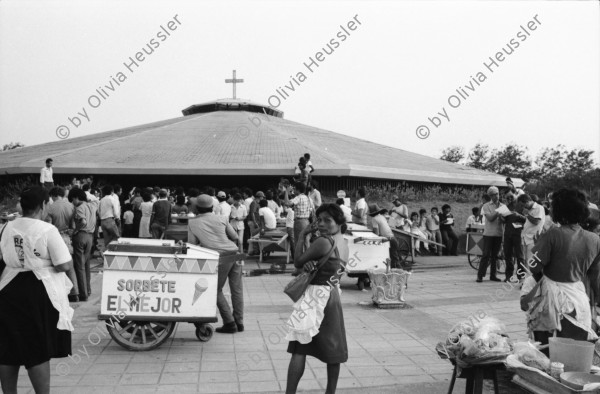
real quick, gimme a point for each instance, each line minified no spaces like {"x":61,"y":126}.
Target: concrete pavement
{"x":389,"y":350}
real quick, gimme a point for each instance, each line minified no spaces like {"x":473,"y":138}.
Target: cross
{"x":234,"y":81}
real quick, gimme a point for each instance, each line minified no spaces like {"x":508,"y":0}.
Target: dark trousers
{"x":450,"y":241}
{"x":157,"y":230}
{"x":128,"y":231}
{"x":137,"y":218}
{"x":491,"y":248}
{"x":233,"y":272}
{"x":48,"y":185}
{"x":82,"y":248}
{"x":291,"y":240}
{"x":513,"y":253}
{"x":395,"y":257}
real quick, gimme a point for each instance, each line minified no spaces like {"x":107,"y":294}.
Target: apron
{"x":57,"y":284}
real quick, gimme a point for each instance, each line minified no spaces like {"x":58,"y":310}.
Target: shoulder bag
{"x":299,"y":284}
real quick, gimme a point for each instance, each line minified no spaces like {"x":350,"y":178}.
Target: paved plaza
{"x":390,"y":351}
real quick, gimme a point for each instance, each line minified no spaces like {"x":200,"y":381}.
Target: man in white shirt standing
{"x":110,"y":212}
{"x":314,"y":194}
{"x":347,"y":211}
{"x":46,"y":175}
{"x":236,"y":218}
{"x":359,"y":214}
{"x":223,"y":208}
{"x":535,"y":215}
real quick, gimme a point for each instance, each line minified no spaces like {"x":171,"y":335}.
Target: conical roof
{"x":235,"y":137}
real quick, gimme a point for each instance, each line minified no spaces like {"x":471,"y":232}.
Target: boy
{"x":475,"y":218}
{"x":433,"y":226}
{"x":128,"y":221}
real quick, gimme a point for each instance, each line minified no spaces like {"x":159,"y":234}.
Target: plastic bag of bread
{"x":528,"y":354}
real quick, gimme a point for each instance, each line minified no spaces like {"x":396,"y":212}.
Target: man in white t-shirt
{"x":347,"y":211}
{"x":223,"y":208}
{"x":536,"y":216}
{"x":359,"y":214}
{"x":268,"y":222}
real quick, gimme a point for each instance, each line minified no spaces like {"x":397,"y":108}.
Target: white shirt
{"x":315,"y":197}
{"x":381,"y":224}
{"x":362,"y":204}
{"x":46,"y":175}
{"x":247,"y":203}
{"x":239,"y":212}
{"x":289,"y":219}
{"x":223,"y":209}
{"x":347,"y":213}
{"x":90,"y":196}
{"x":268,"y":216}
{"x":275,"y":208}
{"x":107,"y":208}
{"x":117,"y":205}
{"x":530,"y":230}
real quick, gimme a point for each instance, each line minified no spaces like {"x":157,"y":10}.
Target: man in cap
{"x":492,"y":235}
{"x":214,"y":232}
{"x":223,"y":209}
{"x":535,"y":216}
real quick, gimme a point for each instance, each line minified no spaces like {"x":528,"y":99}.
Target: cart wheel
{"x":140,"y":335}
{"x":204,"y":332}
{"x":474,"y":260}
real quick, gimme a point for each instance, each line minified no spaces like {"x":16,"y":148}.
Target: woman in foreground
{"x":35,"y":316}
{"x":316,"y":327}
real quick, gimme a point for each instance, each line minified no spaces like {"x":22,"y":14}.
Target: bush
{"x":10,"y":192}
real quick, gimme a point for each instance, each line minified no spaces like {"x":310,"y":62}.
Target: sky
{"x":402,"y":65}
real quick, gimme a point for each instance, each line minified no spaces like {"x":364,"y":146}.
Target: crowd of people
{"x":554,"y":246}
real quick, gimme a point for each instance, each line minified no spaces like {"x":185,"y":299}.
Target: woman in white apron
{"x":564,"y":258}
{"x":35,"y":316}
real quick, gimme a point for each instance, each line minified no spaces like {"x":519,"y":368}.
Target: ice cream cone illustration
{"x":201,"y":286}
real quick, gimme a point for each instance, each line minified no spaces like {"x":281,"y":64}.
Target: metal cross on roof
{"x":234,"y":81}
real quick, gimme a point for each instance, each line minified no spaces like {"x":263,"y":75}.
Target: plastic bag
{"x":529,"y":355}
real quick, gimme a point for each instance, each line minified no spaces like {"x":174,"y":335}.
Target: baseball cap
{"x":259,"y":194}
{"x":221,"y":194}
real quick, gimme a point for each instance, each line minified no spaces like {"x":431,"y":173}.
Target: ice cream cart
{"x":149,"y":285}
{"x":366,"y":250}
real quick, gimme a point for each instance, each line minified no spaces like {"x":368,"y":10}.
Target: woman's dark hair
{"x":422,"y":211}
{"x":193,"y":192}
{"x":179,"y":191}
{"x":263,"y":203}
{"x":128,"y":207}
{"x":32,"y":199}
{"x":414,"y":214}
{"x":336,"y":213}
{"x":248,"y":192}
{"x":569,"y":206}
{"x":475,"y":211}
{"x":269,"y":194}
{"x":180,"y":199}
{"x":339,"y":201}
{"x":237,"y":197}
{"x":147,"y":197}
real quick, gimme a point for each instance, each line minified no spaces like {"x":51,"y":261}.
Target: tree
{"x":453,"y":154}
{"x":12,"y":145}
{"x":550,"y":162}
{"x":479,"y":156}
{"x":511,"y":160}
{"x":579,"y":161}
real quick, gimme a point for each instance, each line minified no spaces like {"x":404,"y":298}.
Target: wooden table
{"x":272,"y":244}
{"x":475,"y":375}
